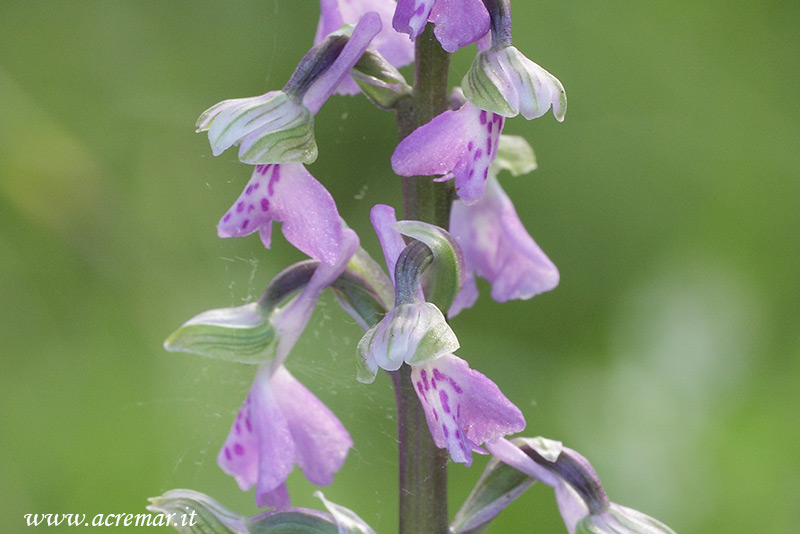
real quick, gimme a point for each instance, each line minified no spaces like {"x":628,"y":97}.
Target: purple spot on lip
{"x":262,"y":169}
{"x":255,"y":185}
{"x":264,"y":204}
{"x":228,"y":454}
{"x":238,"y":449}
{"x":488,"y":145}
{"x":420,"y":10}
{"x":441,"y":376}
{"x":424,"y":375}
{"x":240,"y":207}
{"x":470,"y":146}
{"x":445,"y":431}
{"x":245,"y":223}
{"x":248,"y":190}
{"x":237,"y":428}
{"x":478,"y":155}
{"x":483,"y":117}
{"x":443,"y":399}
{"x":489,"y":127}
{"x":248,"y":424}
{"x":276,"y":176}
{"x":227,"y":217}
{"x":250,"y":208}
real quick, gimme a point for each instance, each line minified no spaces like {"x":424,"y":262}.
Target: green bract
{"x":379,"y":80}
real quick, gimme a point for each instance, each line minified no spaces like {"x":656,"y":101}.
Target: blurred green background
{"x":668,"y":199}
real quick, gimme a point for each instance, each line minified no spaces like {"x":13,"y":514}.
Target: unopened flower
{"x":287,"y":193}
{"x":459,"y":144}
{"x":278,"y":127}
{"x":464,"y":409}
{"x":282,"y":424}
{"x":392,"y":46}
{"x":458,"y":22}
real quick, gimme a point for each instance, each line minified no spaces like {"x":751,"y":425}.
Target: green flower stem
{"x":422,"y":465}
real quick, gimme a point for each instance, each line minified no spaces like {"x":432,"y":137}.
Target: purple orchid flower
{"x":280,"y":424}
{"x":395,"y":48}
{"x":458,"y":22}
{"x":287,"y":193}
{"x":581,"y":498}
{"x":464,"y":409}
{"x":498,"y":248}
{"x":459,"y":144}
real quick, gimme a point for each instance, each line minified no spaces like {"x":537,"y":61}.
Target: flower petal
{"x":325,"y":85}
{"x":259,"y":448}
{"x":320,"y":440}
{"x":411,"y":16}
{"x":292,"y":320}
{"x":394,"y":47}
{"x":464,"y":409}
{"x":498,"y":248}
{"x":459,"y":22}
{"x":504,"y":81}
{"x":383,"y":219}
{"x":287,"y":193}
{"x":463,"y":142}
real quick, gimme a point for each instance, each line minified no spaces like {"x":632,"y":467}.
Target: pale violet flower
{"x":278,"y":127}
{"x":581,"y":498}
{"x":282,"y":424}
{"x":498,"y":248}
{"x":287,"y":193}
{"x":464,"y":409}
{"x":413,"y":331}
{"x":458,"y":22}
{"x":459,"y":144}
{"x":392,"y":46}
{"x":502,"y":80}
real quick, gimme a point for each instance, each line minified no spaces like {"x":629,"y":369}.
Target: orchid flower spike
{"x":458,"y":22}
{"x":495,"y":243}
{"x":460,"y":144}
{"x":278,"y":127}
{"x":502,"y":80}
{"x":282,"y":424}
{"x":392,"y":46}
{"x":582,"y":500}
